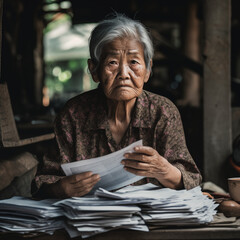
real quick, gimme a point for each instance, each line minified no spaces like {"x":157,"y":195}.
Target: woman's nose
{"x":123,"y":71}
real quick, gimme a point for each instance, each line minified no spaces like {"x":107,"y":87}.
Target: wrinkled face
{"x":122,"y":71}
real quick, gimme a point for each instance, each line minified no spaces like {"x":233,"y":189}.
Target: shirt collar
{"x":98,"y":114}
{"x":141,"y":117}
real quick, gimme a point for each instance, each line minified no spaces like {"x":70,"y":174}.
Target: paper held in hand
{"x":109,"y":167}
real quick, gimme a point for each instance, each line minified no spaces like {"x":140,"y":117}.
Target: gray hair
{"x":118,"y":27}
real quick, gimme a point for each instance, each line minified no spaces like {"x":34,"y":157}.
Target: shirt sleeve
{"x":171,"y":145}
{"x":61,"y":151}
{"x":65,"y":135}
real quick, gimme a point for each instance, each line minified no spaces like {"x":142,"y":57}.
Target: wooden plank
{"x":8,"y":130}
{"x":217,"y":90}
{"x":216,"y":233}
{"x":172,"y":234}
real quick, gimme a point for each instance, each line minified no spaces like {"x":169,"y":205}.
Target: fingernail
{"x":123,"y":162}
{"x":137,"y":148}
{"x":126,"y":155}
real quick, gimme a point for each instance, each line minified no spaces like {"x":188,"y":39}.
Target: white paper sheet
{"x":109,"y":167}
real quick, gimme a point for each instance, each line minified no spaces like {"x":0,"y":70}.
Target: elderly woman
{"x":116,"y":114}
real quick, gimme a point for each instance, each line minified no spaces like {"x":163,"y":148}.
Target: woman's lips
{"x":123,"y":86}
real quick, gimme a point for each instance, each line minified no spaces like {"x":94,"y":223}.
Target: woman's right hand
{"x":76,"y":185}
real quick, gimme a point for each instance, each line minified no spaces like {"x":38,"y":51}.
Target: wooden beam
{"x":217,"y":90}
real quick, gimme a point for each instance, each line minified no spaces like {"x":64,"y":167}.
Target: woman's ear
{"x":148,"y":73}
{"x":92,"y":69}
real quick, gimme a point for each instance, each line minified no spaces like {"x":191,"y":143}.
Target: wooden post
{"x":191,"y":87}
{"x":1,"y":32}
{"x":217,"y":90}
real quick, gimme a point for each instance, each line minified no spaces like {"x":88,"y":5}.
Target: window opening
{"x":65,"y":56}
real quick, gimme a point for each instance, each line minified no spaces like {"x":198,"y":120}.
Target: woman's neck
{"x":120,"y":111}
{"x":119,"y":117}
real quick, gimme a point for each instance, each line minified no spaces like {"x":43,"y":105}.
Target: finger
{"x":70,"y":189}
{"x":85,"y":182}
{"x":145,"y":150}
{"x":83,"y":190}
{"x":137,"y":172}
{"x":79,"y":177}
{"x":137,"y":157}
{"x":135,"y":164}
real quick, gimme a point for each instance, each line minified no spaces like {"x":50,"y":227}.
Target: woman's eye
{"x":112,"y":63}
{"x":134,"y":62}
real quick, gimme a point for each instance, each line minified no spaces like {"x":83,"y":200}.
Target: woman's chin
{"x":124,"y":95}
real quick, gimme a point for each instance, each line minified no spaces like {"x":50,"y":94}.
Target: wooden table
{"x":209,"y":233}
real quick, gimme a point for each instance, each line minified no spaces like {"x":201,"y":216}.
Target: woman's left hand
{"x":146,"y":161}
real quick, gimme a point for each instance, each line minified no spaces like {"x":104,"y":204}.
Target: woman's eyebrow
{"x":133,"y":51}
{"x":114,"y":53}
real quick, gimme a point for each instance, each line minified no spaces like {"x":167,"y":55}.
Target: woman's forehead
{"x":128,"y":45}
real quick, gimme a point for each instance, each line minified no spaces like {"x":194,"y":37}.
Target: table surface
{"x":195,"y":233}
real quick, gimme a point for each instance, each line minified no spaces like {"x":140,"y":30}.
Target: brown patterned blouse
{"x":82,"y":132}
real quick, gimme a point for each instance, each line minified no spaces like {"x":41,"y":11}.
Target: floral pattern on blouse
{"x":83,"y":132}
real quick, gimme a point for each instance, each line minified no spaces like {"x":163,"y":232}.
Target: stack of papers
{"x":165,"y":207}
{"x":22,"y":215}
{"x":90,"y":216}
{"x":133,"y":207}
